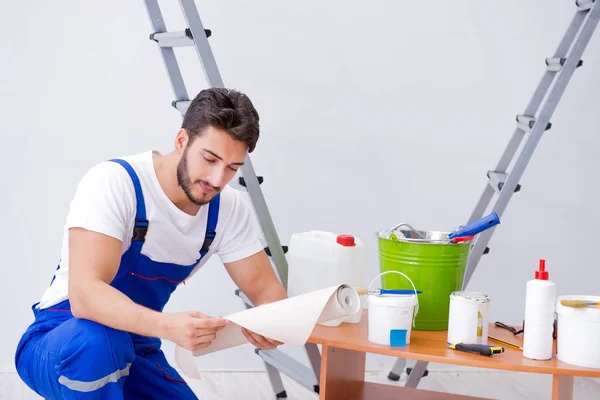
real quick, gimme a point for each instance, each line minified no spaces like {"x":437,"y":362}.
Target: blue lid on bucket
{"x":379,"y":291}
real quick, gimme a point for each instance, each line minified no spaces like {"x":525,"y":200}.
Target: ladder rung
{"x":584,"y":5}
{"x":526,"y":122}
{"x":556,"y":64}
{"x":173,"y":39}
{"x":268,"y":251}
{"x":176,"y":39}
{"x":181,"y":105}
{"x":240,"y":184}
{"x":497,"y":180}
{"x":243,"y":182}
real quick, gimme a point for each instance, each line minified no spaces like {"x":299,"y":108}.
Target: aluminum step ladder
{"x":195,"y":35}
{"x":530,"y":127}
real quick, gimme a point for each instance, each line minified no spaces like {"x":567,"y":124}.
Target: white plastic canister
{"x":468,"y":318}
{"x":319,"y":259}
{"x":578,"y":333}
{"x":392,"y":316}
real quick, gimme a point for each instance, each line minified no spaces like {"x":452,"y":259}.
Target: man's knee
{"x":95,"y":355}
{"x":80,"y":356}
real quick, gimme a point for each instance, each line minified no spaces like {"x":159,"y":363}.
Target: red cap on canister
{"x":346,"y":240}
{"x":541,"y":273}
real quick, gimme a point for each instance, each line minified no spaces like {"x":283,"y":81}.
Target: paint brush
{"x":579,"y":303}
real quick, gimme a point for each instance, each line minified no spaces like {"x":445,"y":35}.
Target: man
{"x":137,"y":228}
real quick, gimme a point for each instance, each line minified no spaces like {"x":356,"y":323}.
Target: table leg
{"x":562,"y":387}
{"x":342,"y":374}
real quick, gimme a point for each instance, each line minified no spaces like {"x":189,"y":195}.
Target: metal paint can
{"x":434,"y":263}
{"x":468,"y":318}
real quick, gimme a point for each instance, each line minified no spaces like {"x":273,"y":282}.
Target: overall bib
{"x":63,"y":357}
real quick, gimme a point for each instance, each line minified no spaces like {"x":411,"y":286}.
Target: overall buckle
{"x":140,"y":229}
{"x":210,"y":236}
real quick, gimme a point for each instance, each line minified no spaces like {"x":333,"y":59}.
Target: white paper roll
{"x":290,"y":321}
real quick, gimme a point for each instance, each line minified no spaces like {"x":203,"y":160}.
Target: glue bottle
{"x":539,"y":315}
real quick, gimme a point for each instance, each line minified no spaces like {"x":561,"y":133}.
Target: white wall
{"x":391,"y":111}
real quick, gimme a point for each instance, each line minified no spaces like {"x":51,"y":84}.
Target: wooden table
{"x":344,"y":351}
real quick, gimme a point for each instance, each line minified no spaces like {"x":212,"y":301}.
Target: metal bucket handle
{"x":412,"y":284}
{"x":409,"y":226}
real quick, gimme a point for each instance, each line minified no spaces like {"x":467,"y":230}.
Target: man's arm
{"x":255,"y":277}
{"x":94,"y":260}
{"x":99,"y":215}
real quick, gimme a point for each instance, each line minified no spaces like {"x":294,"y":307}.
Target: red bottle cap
{"x":541,"y":273}
{"x":346,"y":240}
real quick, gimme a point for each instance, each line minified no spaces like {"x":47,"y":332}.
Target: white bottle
{"x":539,"y":316}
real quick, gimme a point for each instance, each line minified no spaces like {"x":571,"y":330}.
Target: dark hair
{"x":225,"y":109}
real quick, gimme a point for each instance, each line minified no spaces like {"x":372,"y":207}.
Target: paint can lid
{"x":477,"y":297}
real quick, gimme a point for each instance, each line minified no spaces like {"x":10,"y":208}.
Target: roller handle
{"x":394,"y":291}
{"x":362,"y":291}
{"x":476,"y":227}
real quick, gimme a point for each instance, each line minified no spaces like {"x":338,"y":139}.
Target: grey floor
{"x":495,"y":385}
{"x":255,"y":386}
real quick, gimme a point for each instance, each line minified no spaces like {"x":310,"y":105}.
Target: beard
{"x":185,"y":182}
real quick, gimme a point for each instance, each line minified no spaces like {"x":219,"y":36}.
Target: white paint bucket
{"x":468,"y":318}
{"x":392,"y":316}
{"x":578,"y":333}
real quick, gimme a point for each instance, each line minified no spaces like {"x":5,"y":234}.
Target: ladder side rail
{"x":214,"y":79}
{"x":546,"y":81}
{"x":587,"y":18}
{"x":531,"y":109}
{"x":564,"y":77}
{"x":266,"y":221}
{"x":203,"y":49}
{"x":168,"y":54}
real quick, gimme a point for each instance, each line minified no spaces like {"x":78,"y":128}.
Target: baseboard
{"x":7,"y":369}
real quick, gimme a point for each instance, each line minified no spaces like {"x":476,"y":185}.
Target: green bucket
{"x":434,"y":264}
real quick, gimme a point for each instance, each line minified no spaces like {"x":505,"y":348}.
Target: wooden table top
{"x":431,"y":346}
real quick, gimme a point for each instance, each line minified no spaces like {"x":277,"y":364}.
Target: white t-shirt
{"x":105,"y":202}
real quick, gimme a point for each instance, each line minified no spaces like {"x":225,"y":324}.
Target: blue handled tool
{"x":392,"y":291}
{"x":478,"y":226}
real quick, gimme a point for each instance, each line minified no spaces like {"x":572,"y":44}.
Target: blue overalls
{"x":63,"y":357}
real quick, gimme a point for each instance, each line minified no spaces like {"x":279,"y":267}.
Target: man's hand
{"x":193,"y":330}
{"x":260,"y":341}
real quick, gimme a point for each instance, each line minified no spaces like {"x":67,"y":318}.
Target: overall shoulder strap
{"x":141,"y":223}
{"x":211,"y":225}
